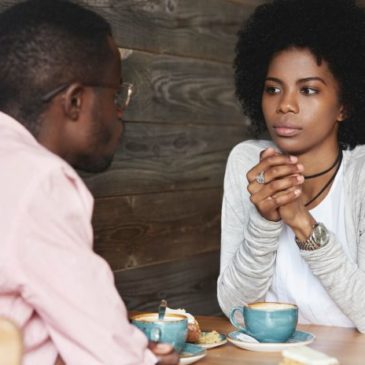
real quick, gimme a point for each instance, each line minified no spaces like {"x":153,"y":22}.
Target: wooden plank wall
{"x":157,"y":217}
{"x":157,"y":210}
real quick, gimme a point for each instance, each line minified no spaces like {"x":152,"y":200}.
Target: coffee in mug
{"x":173,"y":329}
{"x":267,"y":321}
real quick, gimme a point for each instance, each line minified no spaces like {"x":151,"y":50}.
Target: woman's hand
{"x":298,"y":218}
{"x":283,"y":179}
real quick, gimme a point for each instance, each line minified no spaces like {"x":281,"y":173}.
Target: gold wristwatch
{"x":317,"y":239}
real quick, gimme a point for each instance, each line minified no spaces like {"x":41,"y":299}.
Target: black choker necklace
{"x":338,"y":160}
{"x":329,"y":169}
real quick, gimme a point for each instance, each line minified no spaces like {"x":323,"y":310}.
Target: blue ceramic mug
{"x":267,"y":322}
{"x":173,"y":329}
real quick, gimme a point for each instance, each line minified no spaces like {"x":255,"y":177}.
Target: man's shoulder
{"x":27,"y":165}
{"x":19,"y":148}
{"x":37,"y":161}
{"x":52,"y":172}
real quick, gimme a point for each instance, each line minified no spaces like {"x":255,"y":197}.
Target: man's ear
{"x":73,"y":100}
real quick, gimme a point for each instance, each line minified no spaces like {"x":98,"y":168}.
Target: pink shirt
{"x":52,"y":284}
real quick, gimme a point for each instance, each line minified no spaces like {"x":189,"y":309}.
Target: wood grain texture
{"x":6,"y":3}
{"x":155,"y":158}
{"x":188,"y":284}
{"x":180,"y":90}
{"x":253,"y":3}
{"x":139,"y":230}
{"x":194,"y":28}
{"x":157,"y":210}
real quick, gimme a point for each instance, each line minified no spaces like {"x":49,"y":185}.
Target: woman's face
{"x":300,"y":103}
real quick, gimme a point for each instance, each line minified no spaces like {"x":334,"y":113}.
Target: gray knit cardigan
{"x":249,"y":242}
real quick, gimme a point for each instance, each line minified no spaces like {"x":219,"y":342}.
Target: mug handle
{"x":155,"y":334}
{"x":235,"y":323}
{"x":233,"y":319}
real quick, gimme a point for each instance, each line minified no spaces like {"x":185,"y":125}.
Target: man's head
{"x":57,"y":45}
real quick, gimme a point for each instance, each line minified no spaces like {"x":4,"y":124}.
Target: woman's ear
{"x":73,"y":100}
{"x":342,"y":115}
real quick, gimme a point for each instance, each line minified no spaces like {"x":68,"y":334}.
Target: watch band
{"x":317,"y":239}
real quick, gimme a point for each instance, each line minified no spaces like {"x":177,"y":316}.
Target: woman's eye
{"x":272,"y":90}
{"x":309,"y":91}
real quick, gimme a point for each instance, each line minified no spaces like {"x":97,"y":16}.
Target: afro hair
{"x":333,"y":30}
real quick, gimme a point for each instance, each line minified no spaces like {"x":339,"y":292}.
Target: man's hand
{"x":59,"y":361}
{"x":165,"y":353}
{"x":283,"y":180}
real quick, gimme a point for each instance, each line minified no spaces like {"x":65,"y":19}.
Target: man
{"x":61,"y":102}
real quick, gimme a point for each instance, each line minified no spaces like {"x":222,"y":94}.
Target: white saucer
{"x":300,"y":338}
{"x":191,"y":353}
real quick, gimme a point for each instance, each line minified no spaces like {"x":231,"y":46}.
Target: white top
{"x":294,"y":282}
{"x":250,"y":242}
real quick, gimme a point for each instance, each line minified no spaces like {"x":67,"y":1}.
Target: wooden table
{"x":347,"y":345}
{"x":10,"y":343}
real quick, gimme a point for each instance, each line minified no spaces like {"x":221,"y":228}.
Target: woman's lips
{"x":286,"y":131}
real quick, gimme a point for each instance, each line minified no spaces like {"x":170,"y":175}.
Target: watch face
{"x":320,"y":234}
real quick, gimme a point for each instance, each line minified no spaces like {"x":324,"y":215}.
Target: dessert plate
{"x":221,"y":341}
{"x":300,"y":338}
{"x":191,"y":353}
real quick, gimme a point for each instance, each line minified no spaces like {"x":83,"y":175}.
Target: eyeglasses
{"x":121,"y":99}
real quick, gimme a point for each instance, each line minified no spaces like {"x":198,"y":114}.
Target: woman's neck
{"x":318,"y":160}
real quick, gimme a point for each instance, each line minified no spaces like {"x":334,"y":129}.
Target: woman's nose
{"x":288,"y":103}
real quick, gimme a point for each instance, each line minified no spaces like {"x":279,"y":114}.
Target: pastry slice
{"x":193,"y":325}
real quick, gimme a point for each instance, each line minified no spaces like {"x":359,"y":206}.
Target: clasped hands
{"x":279,"y":196}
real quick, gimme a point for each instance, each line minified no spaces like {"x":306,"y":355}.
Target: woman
{"x":293,"y":212}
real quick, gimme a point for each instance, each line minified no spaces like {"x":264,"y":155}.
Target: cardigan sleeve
{"x":343,"y":279}
{"x":342,"y":276}
{"x":248,"y":241}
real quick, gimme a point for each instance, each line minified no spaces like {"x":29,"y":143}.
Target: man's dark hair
{"x":44,"y":43}
{"x":333,"y":30}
